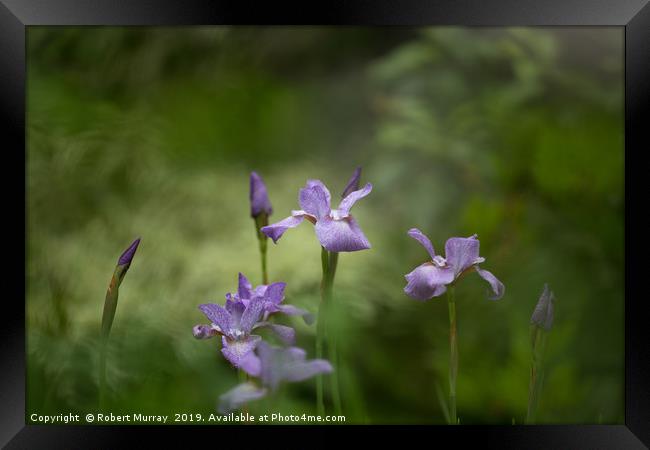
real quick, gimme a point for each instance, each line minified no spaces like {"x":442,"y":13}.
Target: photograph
{"x":315,"y":225}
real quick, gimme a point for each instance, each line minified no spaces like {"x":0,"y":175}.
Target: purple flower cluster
{"x":251,"y":308}
{"x":243,"y":313}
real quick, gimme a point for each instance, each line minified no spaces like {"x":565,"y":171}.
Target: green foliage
{"x":514,"y":134}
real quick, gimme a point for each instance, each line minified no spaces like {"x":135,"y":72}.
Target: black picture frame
{"x":632,"y":15}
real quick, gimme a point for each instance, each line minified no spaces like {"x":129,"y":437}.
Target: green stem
{"x":261,"y":221}
{"x":329,"y":262}
{"x":536,"y":374}
{"x":102,"y":374}
{"x":265,"y":274}
{"x":108,"y":315}
{"x":453,"y":354}
{"x":333,"y":335}
{"x":320,"y":332}
{"x":243,"y":378}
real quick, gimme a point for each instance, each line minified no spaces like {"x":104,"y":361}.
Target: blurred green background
{"x":514,"y":134}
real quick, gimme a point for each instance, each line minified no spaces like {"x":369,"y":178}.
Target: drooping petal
{"x":299,"y":371}
{"x":270,"y":365}
{"x":239,"y":396}
{"x":315,"y":200}
{"x":440,"y":289}
{"x":252,"y":314}
{"x":276,"y":230}
{"x":428,"y":281}
{"x":341,"y":235}
{"x":296,"y":354}
{"x":274,"y":292}
{"x":245,"y":287}
{"x":218,"y":315}
{"x":286,"y":334}
{"x":347,"y":203}
{"x":353,"y":183}
{"x":235,"y":350}
{"x":497,"y":287}
{"x":423,"y":240}
{"x":291,"y":310}
{"x":203,"y":332}
{"x":251,"y":364}
{"x":462,"y":253}
{"x":259,"y":196}
{"x":543,"y":314}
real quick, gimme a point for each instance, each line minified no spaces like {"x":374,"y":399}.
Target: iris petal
{"x":276,"y":230}
{"x":218,"y":315}
{"x":235,"y":350}
{"x":239,"y":396}
{"x":274,"y":292}
{"x":428,"y":281}
{"x":291,"y":310}
{"x":462,"y":253}
{"x":347,"y":203}
{"x":299,"y":371}
{"x":423,"y":240}
{"x":497,"y":287}
{"x":245,"y":287}
{"x":251,"y":314}
{"x":315,"y":200}
{"x":341,"y":235}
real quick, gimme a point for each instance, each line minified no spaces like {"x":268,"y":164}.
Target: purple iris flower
{"x":234,"y":323}
{"x":273,"y":295}
{"x":543,"y":314}
{"x":272,"y":366}
{"x":245,"y":311}
{"x":462,"y":255}
{"x":259,"y":197}
{"x":336,"y":229}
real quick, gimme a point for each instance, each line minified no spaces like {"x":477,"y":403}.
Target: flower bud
{"x":259,"y":197}
{"x":543,"y":313}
